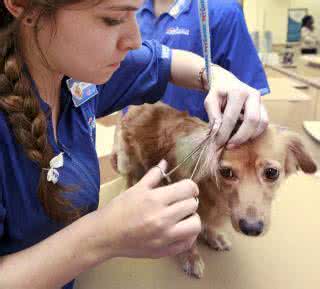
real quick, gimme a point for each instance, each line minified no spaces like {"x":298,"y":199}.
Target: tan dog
{"x":247,"y":176}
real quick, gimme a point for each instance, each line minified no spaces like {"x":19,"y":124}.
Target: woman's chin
{"x":98,"y":79}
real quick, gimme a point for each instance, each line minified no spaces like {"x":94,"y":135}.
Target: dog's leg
{"x":192,"y":262}
{"x":215,"y":238}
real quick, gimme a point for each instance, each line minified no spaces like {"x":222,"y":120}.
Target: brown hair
{"x":22,"y":109}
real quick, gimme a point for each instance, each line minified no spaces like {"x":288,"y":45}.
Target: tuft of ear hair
{"x":298,"y":156}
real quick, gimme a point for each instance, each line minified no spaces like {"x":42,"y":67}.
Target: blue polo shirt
{"x":142,"y":77}
{"x":231,"y":48}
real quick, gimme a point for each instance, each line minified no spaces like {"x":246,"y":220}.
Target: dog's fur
{"x":149,"y":133}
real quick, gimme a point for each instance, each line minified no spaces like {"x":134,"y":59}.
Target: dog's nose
{"x":251,"y":229}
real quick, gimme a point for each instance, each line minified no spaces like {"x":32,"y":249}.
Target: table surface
{"x":286,"y":257}
{"x":284,"y":88}
{"x":303,"y":70}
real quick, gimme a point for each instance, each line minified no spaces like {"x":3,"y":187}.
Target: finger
{"x":180,"y":210}
{"x":185,"y":229}
{"x":213,"y":107}
{"x":179,"y":191}
{"x":250,"y":122}
{"x":236,"y":100}
{"x":264,"y":122}
{"x":154,"y":176}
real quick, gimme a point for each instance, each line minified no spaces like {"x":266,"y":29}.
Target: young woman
{"x":62,"y":64}
{"x":309,"y":39}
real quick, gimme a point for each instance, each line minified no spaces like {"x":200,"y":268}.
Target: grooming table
{"x":287,"y":257}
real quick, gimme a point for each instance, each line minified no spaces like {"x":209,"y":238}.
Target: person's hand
{"x":150,"y":222}
{"x":227,"y":99}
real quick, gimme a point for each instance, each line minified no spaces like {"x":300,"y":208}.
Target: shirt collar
{"x":179,"y":7}
{"x":176,"y":9}
{"x":147,"y":6}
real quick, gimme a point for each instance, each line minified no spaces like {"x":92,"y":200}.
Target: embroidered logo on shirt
{"x":177,"y":31}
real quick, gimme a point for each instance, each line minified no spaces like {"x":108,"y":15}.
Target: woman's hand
{"x":150,"y":222}
{"x":227,"y":99}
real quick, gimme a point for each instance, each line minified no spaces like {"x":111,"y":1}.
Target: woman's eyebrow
{"x":121,"y":8}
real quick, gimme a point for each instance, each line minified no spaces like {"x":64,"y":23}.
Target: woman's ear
{"x":18,"y":8}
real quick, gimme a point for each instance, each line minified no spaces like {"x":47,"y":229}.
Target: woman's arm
{"x":308,"y":37}
{"x":185,"y":69}
{"x":146,"y":221}
{"x":227,"y":94}
{"x":55,"y":261}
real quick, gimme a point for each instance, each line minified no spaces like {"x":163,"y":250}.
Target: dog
{"x":237,"y":184}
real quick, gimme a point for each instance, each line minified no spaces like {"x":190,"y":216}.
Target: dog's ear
{"x":298,"y":156}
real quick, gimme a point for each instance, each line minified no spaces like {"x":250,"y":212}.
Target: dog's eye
{"x":271,"y":174}
{"x":226,"y":173}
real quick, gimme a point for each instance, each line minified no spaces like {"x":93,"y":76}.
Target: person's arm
{"x":142,"y":78}
{"x":226,"y":88}
{"x":57,"y":260}
{"x":159,"y":222}
{"x":307,"y":37}
{"x":185,"y":69}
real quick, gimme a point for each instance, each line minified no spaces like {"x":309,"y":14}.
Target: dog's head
{"x":250,"y":175}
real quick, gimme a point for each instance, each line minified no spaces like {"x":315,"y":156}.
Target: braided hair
{"x":27,"y":121}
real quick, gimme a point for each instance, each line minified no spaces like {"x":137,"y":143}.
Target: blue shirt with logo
{"x":142,"y":77}
{"x":231,"y":45}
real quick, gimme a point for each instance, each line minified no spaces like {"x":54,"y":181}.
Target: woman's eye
{"x":271,"y":174}
{"x":227,"y":173}
{"x":113,"y":22}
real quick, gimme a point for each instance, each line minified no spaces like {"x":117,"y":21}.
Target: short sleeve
{"x":142,"y":78}
{"x":234,"y":49}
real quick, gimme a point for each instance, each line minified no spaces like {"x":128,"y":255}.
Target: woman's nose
{"x":131,"y":39}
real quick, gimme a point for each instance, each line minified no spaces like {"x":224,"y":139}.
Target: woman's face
{"x":88,"y":42}
{"x":311,"y":23}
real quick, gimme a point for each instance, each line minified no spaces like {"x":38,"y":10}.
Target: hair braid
{"x":29,"y":125}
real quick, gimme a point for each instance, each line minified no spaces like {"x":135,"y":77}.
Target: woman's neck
{"x":161,"y":6}
{"x":47,"y":80}
{"x":49,"y":86}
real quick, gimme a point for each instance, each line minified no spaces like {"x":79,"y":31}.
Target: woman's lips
{"x":115,"y":65}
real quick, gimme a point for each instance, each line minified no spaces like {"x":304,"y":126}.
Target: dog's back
{"x":147,"y":134}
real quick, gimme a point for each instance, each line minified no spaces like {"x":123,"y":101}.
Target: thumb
{"x":154,"y":176}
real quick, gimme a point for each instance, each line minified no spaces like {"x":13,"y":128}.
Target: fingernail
{"x":163,"y":164}
{"x":197,"y":190}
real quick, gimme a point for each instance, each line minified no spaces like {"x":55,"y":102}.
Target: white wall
{"x":273,"y":15}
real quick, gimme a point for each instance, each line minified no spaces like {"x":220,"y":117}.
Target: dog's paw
{"x":217,"y":241}
{"x":194,"y":266}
